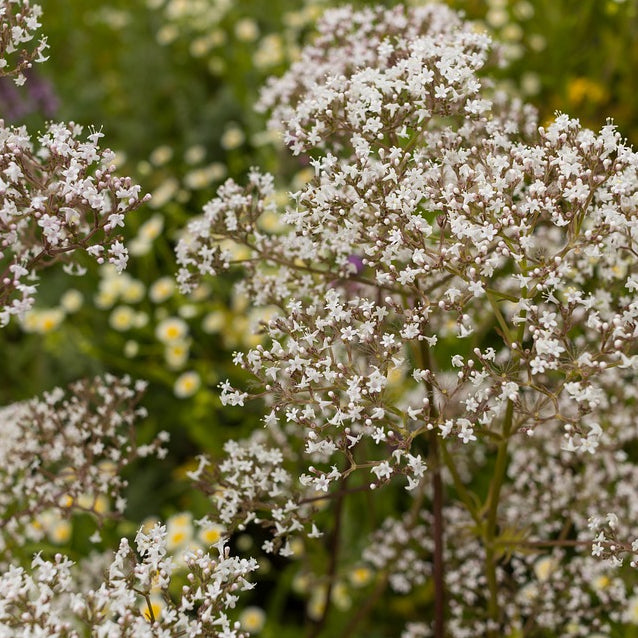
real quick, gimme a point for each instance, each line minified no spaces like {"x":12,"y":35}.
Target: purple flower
{"x":357,"y":262}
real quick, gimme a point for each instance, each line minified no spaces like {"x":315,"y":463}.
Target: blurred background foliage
{"x":173,"y":83}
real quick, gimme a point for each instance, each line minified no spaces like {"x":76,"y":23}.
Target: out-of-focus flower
{"x":210,"y":533}
{"x":195,"y":154}
{"x":186,"y":385}
{"x":252,"y":619}
{"x":161,"y":155}
{"x":164,"y":193}
{"x":161,"y":289}
{"x":43,"y":321}
{"x":233,"y":137}
{"x":360,"y":576}
{"x":179,"y":530}
{"x":122,"y":318}
{"x":246,"y":30}
{"x":176,"y":354}
{"x":171,"y":329}
{"x":71,"y":301}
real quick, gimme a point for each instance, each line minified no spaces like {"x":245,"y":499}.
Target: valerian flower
{"x":45,"y":599}
{"x":19,"y":23}
{"x":496,"y":281}
{"x":58,"y":196}
{"x":66,"y":451}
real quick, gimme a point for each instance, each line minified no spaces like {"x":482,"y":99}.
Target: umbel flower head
{"x":474,"y":229}
{"x":456,"y":285}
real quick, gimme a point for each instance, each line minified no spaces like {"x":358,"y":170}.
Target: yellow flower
{"x":155,"y":611}
{"x":171,"y":329}
{"x":601,"y":582}
{"x":252,"y":619}
{"x":131,"y":348}
{"x":340,"y":596}
{"x":65,"y":501}
{"x":60,"y":532}
{"x":317,"y":603}
{"x":141,"y":319}
{"x":176,"y":354}
{"x":204,"y":176}
{"x":105,"y":299}
{"x":233,"y":137}
{"x":179,"y":530}
{"x":186,"y":385}
{"x":43,"y":321}
{"x":161,"y":289}
{"x":161,"y":155}
{"x":300,"y":583}
{"x":152,"y":228}
{"x":270,"y":51}
{"x":98,"y":504}
{"x":270,"y":222}
{"x":247,"y":30}
{"x":188,"y":311}
{"x":529,"y":593}
{"x":544,"y":567}
{"x":107,"y":468}
{"x":360,"y":576}
{"x":167,"y":34}
{"x":122,"y":318}
{"x":396,"y":375}
{"x":297,"y":547}
{"x":195,"y":154}
{"x":133,"y":291}
{"x":71,"y":300}
{"x":149,"y":523}
{"x":211,"y":533}
{"x":496,"y":18}
{"x":580,"y":90}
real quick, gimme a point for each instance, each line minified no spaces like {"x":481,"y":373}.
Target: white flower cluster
{"x":66,"y":452}
{"x":252,"y":486}
{"x":57,"y":196}
{"x":19,"y":22}
{"x":372,"y":66}
{"x":402,"y":550}
{"x":439,"y":224}
{"x":452,"y":278}
{"x":44,"y":602}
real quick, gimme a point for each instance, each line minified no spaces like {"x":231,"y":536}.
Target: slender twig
{"x":335,"y":540}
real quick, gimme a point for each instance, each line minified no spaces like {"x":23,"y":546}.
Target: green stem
{"x":462,"y":492}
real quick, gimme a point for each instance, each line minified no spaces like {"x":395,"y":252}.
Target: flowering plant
{"x":486,"y":263}
{"x":447,"y":372}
